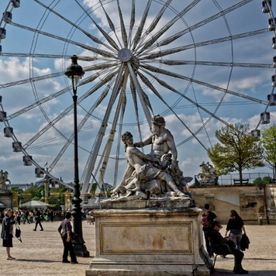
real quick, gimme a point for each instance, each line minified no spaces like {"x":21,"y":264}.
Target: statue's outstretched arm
{"x":146,"y":142}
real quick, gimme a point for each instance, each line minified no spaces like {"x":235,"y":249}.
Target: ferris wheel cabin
{"x":7,"y":17}
{"x":266,"y":4}
{"x":256,"y":133}
{"x":3,"y":33}
{"x":17,"y":146}
{"x":272,"y":24}
{"x":271,"y":99}
{"x":15,"y":3}
{"x":8,"y":131}
{"x":27,"y":160}
{"x":265,"y":117}
{"x":39,"y":172}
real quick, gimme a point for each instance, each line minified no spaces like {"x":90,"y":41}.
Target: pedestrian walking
{"x":38,"y":218}
{"x":66,"y":233}
{"x":7,"y":232}
{"x":235,"y":228}
{"x":17,"y":217}
{"x":51,"y":215}
{"x":207,"y":218}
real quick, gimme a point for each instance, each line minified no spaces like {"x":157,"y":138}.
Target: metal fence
{"x":231,"y":179}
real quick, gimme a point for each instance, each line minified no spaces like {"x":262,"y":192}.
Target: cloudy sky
{"x":209,"y":61}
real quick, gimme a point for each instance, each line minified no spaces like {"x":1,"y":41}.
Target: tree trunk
{"x":274,"y":171}
{"x":240,"y":174}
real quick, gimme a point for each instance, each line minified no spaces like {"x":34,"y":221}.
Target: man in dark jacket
{"x":66,"y":233}
{"x":38,"y":220}
{"x":222,"y":246}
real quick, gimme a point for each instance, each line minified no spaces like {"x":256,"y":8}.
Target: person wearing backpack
{"x":66,"y":233}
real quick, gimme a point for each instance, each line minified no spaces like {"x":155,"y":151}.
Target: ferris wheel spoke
{"x":114,"y":123}
{"x":166,"y":85}
{"x":202,"y":119}
{"x":117,"y":159}
{"x":164,"y":29}
{"x":202,"y":83}
{"x":154,"y":23}
{"x":211,"y":63}
{"x":101,"y":66}
{"x":36,"y":55}
{"x":32,"y":79}
{"x":141,"y":25}
{"x":98,"y":75}
{"x":154,"y":90}
{"x":134,"y":98}
{"x":122,"y":25}
{"x":131,"y":23}
{"x":51,"y":97}
{"x":166,"y":52}
{"x":90,"y":164}
{"x":84,"y":46}
{"x":105,"y":34}
{"x":66,"y":111}
{"x":143,"y":100}
{"x":195,"y":26}
{"x":37,"y":103}
{"x":110,"y":23}
{"x":110,"y":140}
{"x":80,"y":126}
{"x":94,"y":38}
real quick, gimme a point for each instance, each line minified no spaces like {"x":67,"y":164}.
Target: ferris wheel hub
{"x":125,"y":55}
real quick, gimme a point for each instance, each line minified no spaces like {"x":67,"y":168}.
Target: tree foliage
{"x":269,"y":145}
{"x":236,"y":150}
{"x":262,"y":181}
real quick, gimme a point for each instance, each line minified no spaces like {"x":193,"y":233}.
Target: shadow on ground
{"x":222,"y":272}
{"x":37,"y":261}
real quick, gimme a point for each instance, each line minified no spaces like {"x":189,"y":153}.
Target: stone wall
{"x":247,"y":200}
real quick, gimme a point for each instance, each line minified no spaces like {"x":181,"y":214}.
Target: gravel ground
{"x":41,"y":252}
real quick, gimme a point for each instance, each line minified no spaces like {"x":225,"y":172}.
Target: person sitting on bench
{"x":224,"y":246}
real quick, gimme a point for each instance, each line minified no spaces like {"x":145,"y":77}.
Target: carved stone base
{"x":147,"y":242}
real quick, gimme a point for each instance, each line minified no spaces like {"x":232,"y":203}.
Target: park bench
{"x":244,"y":181}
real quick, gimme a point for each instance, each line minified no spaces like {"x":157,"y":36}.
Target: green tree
{"x":36,"y":192}
{"x":236,"y":150}
{"x":269,"y":145}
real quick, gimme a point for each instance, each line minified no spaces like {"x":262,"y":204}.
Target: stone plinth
{"x":147,"y":242}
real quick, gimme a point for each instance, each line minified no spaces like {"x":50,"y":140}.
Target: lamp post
{"x":75,"y":73}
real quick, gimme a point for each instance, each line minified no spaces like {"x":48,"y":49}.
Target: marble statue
{"x":207,"y":175}
{"x":144,"y":174}
{"x":154,"y":174}
{"x":163,"y":147}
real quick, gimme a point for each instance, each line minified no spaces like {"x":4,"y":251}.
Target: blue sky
{"x":202,"y":78}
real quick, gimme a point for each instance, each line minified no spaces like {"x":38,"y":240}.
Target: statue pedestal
{"x":148,"y":242}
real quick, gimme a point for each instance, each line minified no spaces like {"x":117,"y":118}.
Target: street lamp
{"x":75,"y":73}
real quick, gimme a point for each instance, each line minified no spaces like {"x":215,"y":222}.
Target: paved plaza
{"x":41,"y":251}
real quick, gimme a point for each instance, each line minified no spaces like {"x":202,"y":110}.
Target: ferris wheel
{"x":201,"y":64}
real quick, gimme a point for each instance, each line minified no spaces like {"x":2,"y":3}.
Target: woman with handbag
{"x":7,"y":232}
{"x":66,"y":233}
{"x":235,"y":227}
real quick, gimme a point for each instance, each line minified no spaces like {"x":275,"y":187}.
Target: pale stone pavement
{"x":41,"y":251}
